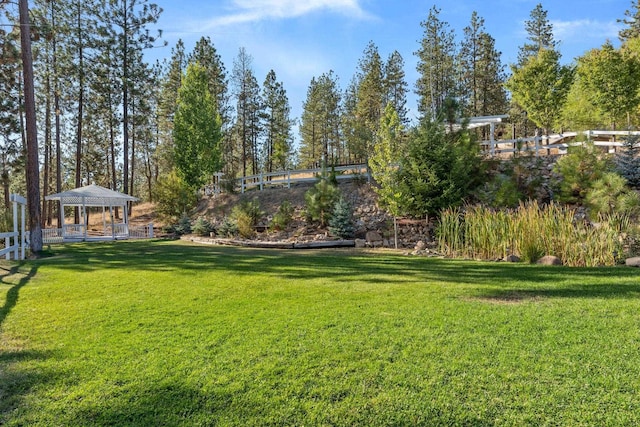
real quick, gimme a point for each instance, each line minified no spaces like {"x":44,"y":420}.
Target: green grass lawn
{"x":167,"y":333}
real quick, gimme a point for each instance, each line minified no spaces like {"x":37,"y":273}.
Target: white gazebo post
{"x":84,"y":216}
{"x":62,"y":218}
{"x":113,"y":223}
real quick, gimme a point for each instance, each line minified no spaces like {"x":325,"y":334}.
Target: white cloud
{"x":244,"y":11}
{"x":579,"y":30}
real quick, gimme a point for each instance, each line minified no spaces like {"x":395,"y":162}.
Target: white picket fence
{"x":17,"y":249}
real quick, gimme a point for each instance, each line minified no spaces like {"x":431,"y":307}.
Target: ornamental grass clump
{"x":530,"y":232}
{"x":450,"y":232}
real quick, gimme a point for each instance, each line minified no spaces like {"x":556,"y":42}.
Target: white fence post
{"x":16,"y":238}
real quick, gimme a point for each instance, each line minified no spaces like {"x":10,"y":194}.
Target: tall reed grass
{"x":529,"y":232}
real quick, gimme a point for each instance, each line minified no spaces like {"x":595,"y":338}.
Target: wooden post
{"x":395,"y":231}
{"x":492,"y":141}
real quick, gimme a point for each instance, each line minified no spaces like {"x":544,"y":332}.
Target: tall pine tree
{"x":436,"y":65}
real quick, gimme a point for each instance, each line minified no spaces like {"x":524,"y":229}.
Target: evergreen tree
{"x":395,"y":86}
{"x":631,"y":21}
{"x":628,"y":161}
{"x":371,"y":98}
{"x":249,"y":106}
{"x":321,"y":199}
{"x":436,"y":65}
{"x":10,"y":147}
{"x":341,"y":222}
{"x":481,"y":71}
{"x":278,"y":139}
{"x":127,"y":22}
{"x":205,"y":54}
{"x":439,"y":170}
{"x":197,"y":129}
{"x":349,"y":132}
{"x":578,"y":171}
{"x":539,"y":35}
{"x":106,"y":105}
{"x":31,"y":143}
{"x":320,"y":125}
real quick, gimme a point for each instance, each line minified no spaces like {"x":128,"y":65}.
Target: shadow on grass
{"x":493,"y":279}
{"x":178,"y":404}
{"x":14,"y":292}
{"x":155,"y":405}
{"x":18,"y":383}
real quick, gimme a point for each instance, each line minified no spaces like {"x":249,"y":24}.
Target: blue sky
{"x":300,"y":39}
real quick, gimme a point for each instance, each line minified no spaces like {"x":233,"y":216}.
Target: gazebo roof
{"x":92,"y":195}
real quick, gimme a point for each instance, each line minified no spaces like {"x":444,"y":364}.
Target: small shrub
{"x":283,"y":217}
{"x":173,"y":196}
{"x":202,"y":227}
{"x":321,"y":199}
{"x":246,"y":215}
{"x":628,"y":161}
{"x":228,"y":227}
{"x":577,"y":171}
{"x":501,"y":191}
{"x":341,"y":222}
{"x":610,"y":195}
{"x":184,"y":225}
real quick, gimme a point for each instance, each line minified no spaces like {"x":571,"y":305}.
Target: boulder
{"x":632,"y":262}
{"x":373,"y":237}
{"x":360,"y":243}
{"x":549,"y":260}
{"x":420,"y":246}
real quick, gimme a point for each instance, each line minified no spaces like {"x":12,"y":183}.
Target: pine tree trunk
{"x":56,"y":106}
{"x":76,"y":216}
{"x":47,"y":149}
{"x":32,"y":169}
{"x":125,"y":101}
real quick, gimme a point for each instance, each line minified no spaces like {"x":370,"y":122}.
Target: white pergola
{"x":94,"y":196}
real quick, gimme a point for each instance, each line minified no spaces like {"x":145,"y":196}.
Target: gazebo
{"x":88,"y":197}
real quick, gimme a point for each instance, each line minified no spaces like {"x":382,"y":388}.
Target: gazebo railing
{"x":52,"y":235}
{"x":141,"y":232}
{"x":75,"y":232}
{"x":117,"y":231}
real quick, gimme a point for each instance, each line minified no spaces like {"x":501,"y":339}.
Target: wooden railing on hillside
{"x":289,"y":177}
{"x":556,"y":144}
